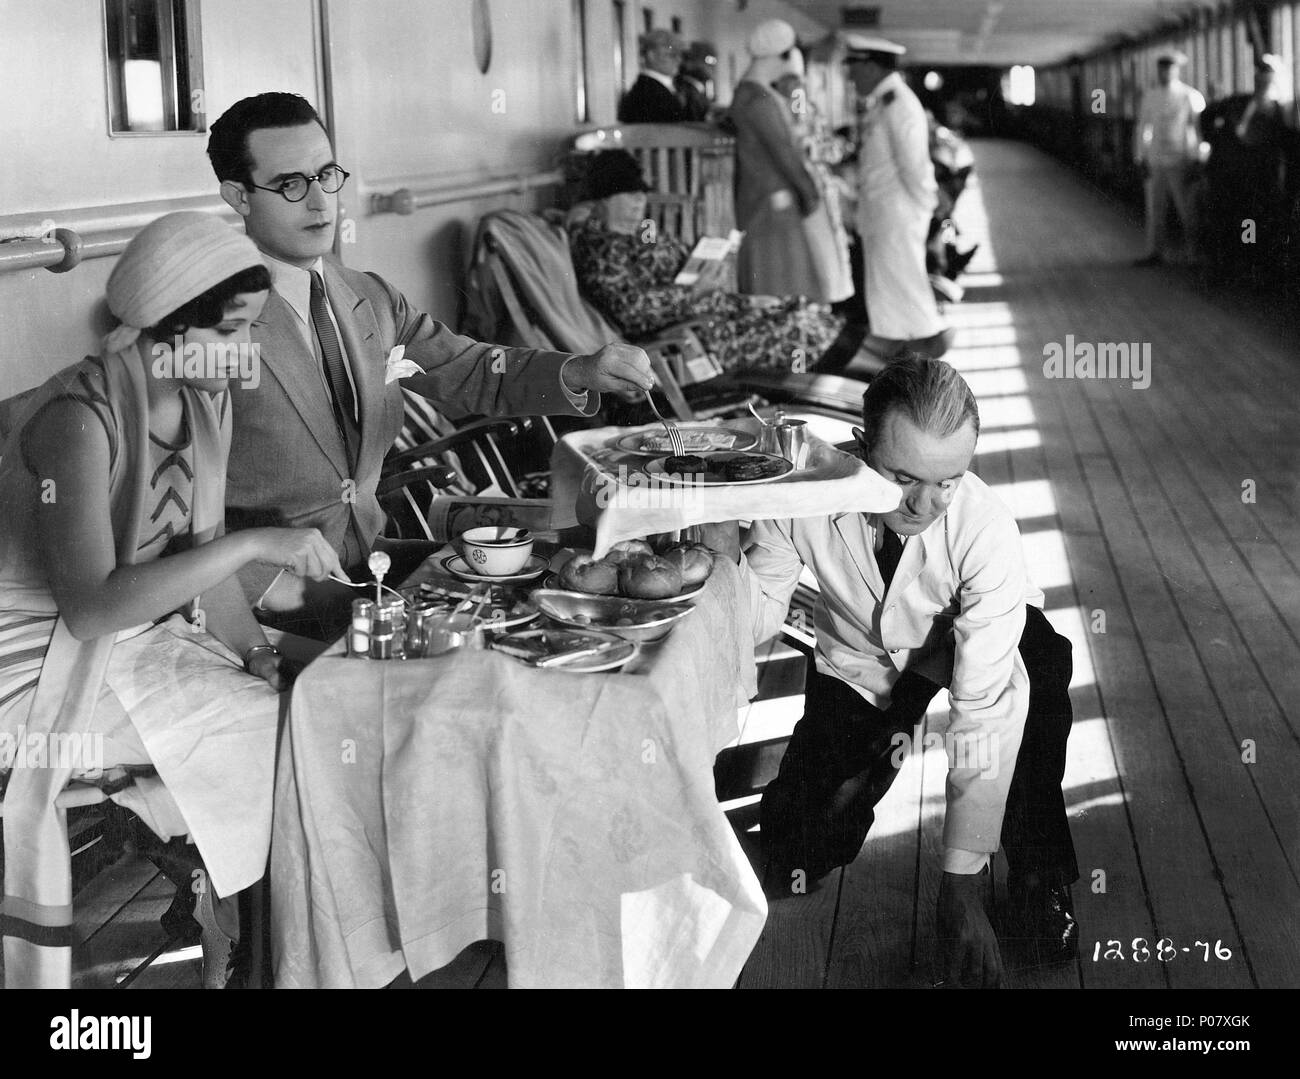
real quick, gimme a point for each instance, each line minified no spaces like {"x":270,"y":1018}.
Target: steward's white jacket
{"x":955,"y":611}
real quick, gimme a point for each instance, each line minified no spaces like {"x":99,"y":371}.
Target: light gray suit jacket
{"x":288,"y":463}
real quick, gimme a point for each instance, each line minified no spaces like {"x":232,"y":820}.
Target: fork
{"x":674,"y":435}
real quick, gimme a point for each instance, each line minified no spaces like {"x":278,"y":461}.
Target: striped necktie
{"x":891,"y":550}
{"x":345,"y":408}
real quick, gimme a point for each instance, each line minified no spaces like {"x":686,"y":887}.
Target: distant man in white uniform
{"x":897,"y":196}
{"x":1166,"y":147}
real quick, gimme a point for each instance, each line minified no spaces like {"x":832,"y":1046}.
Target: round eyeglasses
{"x":294,"y":187}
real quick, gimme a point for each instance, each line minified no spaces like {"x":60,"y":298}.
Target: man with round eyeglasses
{"x":309,"y":443}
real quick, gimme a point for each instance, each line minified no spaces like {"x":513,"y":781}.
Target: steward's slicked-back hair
{"x":228,"y":145}
{"x":928,"y":392}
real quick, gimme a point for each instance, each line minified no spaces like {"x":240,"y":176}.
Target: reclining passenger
{"x":113,"y":483}
{"x":628,"y":272}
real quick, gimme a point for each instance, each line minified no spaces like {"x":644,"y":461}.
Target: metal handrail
{"x":406,"y":201}
{"x":91,"y":234}
{"x":63,"y":239}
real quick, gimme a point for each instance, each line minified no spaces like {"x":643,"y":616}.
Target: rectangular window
{"x":581,"y":112}
{"x":154,"y":66}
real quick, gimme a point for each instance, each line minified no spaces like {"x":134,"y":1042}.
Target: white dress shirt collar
{"x":293,"y":283}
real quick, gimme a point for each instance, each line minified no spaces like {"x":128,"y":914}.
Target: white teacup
{"x":496,"y":550}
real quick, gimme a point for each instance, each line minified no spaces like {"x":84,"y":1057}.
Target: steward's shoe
{"x":1040,"y":911}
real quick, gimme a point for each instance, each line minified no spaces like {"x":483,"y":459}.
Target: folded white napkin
{"x":591,"y":483}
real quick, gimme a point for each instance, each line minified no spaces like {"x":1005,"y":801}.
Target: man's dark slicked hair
{"x":928,"y":392}
{"x":228,"y":145}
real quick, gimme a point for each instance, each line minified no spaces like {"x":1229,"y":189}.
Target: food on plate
{"x":650,"y":578}
{"x":629,"y":551}
{"x":685,"y":465}
{"x":693,"y":560}
{"x":749,"y":466}
{"x":582,"y":573}
{"x":540,"y":644}
{"x":500,"y":602}
{"x":693,"y":441}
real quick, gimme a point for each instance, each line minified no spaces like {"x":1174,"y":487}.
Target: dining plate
{"x":653,"y":443}
{"x":552,"y":582}
{"x":619,"y":656}
{"x":642,"y":620}
{"x":534,"y":648}
{"x":458,"y":567}
{"x":507,"y":606}
{"x":713,"y":476}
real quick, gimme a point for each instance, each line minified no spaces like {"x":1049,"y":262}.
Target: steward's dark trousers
{"x":840,"y":762}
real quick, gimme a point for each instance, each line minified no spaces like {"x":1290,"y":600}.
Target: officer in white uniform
{"x":1166,"y":147}
{"x":897,"y":196}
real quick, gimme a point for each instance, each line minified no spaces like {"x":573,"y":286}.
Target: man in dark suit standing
{"x":694,"y":80}
{"x":309,"y":442}
{"x":654,"y":98}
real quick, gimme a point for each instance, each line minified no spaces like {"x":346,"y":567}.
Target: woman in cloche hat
{"x":775,"y":191}
{"x":113,"y":487}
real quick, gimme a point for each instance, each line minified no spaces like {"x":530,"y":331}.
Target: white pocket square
{"x":397,"y":366}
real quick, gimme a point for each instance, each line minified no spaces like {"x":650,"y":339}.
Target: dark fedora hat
{"x":614,"y":172}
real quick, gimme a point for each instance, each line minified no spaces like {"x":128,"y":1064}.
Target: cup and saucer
{"x":498,"y":553}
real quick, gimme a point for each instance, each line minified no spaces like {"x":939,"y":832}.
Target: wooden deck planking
{"x":1236,"y":819}
{"x":874,"y":940}
{"x":1188,"y":714}
{"x":1103,"y":831}
{"x":108,"y":894}
{"x":1252,"y":664}
{"x":1222,"y":531}
{"x":1058,"y":313}
{"x":119,"y":945}
{"x":1277,"y":579}
{"x":794,"y":948}
{"x":1236,"y":397}
{"x":1136,"y":573}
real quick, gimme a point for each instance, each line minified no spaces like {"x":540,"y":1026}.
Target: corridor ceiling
{"x":1002,"y":32}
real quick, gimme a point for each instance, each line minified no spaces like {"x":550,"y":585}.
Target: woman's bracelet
{"x":269,"y":649}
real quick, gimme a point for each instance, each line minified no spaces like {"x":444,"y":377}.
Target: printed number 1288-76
{"x":1165,"y":950}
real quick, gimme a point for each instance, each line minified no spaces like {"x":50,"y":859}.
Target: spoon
{"x":379,"y":564}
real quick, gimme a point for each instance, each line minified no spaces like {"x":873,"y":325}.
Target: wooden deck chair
{"x":522,"y":291}
{"x":470,"y":461}
{"x":37,"y":947}
{"x":690,"y":168}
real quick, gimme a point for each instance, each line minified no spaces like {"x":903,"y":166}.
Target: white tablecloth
{"x":424,"y":805}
